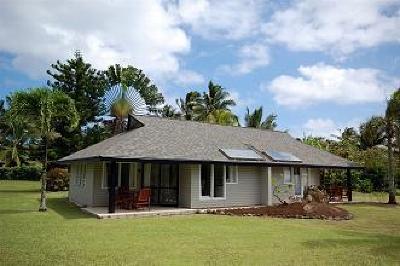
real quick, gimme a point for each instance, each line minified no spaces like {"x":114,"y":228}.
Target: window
{"x":213,"y":181}
{"x":80,"y":174}
{"x":205,"y":180}
{"x":124,"y":174}
{"x":219,"y":181}
{"x":286,"y":175}
{"x":106,"y":173}
{"x":83,"y":174}
{"x":77,"y":174}
{"x":232,"y":174}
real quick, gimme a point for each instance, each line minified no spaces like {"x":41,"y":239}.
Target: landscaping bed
{"x":298,"y":210}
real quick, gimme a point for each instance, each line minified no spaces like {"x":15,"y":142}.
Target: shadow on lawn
{"x":10,"y":211}
{"x":380,"y":245}
{"x":66,"y":209}
{"x":19,"y":191}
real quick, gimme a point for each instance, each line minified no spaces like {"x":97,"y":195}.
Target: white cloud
{"x":189,"y":77}
{"x":339,"y":27}
{"x":143,"y":33}
{"x":327,"y":128}
{"x":325,"y":83}
{"x":223,"y":18}
{"x":250,"y":57}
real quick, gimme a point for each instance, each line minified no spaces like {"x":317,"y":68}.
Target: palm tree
{"x":212,"y":103}
{"x":169,"y":111}
{"x":392,"y":116}
{"x":44,"y":107}
{"x":131,"y":77}
{"x":15,"y":137}
{"x":254,"y":119}
{"x":121,"y":101}
{"x":187,"y":105}
{"x":372,"y":132}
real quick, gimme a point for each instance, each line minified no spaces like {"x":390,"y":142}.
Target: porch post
{"x":112,"y":186}
{"x":349,"y":186}
{"x":269,"y":186}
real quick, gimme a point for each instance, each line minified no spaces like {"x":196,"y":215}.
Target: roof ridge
{"x":216,"y":125}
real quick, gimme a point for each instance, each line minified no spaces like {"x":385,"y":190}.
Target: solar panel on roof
{"x":281,"y":156}
{"x":241,"y":154}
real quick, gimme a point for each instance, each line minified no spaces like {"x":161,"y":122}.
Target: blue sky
{"x":320,"y":65}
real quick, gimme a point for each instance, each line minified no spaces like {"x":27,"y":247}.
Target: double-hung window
{"x":287,"y":175}
{"x":232,"y":174}
{"x":212,"y":180}
{"x":80,"y":175}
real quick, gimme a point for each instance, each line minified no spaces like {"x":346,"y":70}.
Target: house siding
{"x":81,"y":195}
{"x":185,"y":181}
{"x":100,"y":195}
{"x":251,"y":188}
{"x":245,"y":193}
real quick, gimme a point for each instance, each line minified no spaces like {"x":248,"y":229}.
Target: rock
{"x":309,"y":198}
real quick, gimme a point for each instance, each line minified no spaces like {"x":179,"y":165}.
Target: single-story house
{"x":196,"y":165}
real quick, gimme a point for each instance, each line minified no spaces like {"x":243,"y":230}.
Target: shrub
{"x":20,"y":173}
{"x":365,"y":185}
{"x":57,"y":179}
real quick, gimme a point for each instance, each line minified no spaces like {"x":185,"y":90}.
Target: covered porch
{"x":127,"y":180}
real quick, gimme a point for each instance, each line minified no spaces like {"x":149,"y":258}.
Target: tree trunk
{"x":43,"y":206}
{"x":391,"y":187}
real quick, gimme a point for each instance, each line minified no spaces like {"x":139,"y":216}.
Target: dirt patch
{"x":294,"y":210}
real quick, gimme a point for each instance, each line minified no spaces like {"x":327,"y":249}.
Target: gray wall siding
{"x":100,"y":195}
{"x":246,"y":192}
{"x":185,"y":181}
{"x":81,"y":194}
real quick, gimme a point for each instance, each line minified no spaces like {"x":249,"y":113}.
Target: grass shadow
{"x":20,"y":191}
{"x":380,"y":244}
{"x":66,"y":209}
{"x":11,"y":211}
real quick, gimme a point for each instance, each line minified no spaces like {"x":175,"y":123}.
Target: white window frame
{"x":104,"y":181}
{"x":286,"y":182}
{"x":83,"y":172}
{"x":211,"y":197}
{"x":132,"y":174}
{"x":233,"y":172}
{"x":77,"y":178}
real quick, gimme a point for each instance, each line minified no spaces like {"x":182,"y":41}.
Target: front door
{"x":164,"y":184}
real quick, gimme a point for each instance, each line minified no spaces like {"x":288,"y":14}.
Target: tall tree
{"x":44,"y":107}
{"x":392,"y":116}
{"x":187,"y":105}
{"x":214,"y":101}
{"x":122,"y":101}
{"x":372,"y":132}
{"x":83,"y":83}
{"x":169,"y":111}
{"x":254,"y":119}
{"x":133,"y":77}
{"x":15,"y":136}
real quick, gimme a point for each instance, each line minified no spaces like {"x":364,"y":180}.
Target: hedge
{"x":20,"y":173}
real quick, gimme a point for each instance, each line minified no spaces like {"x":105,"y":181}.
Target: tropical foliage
{"x":43,"y":108}
{"x":254,"y":119}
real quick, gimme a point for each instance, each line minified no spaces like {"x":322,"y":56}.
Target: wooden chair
{"x":122,"y":198}
{"x":142,"y":199}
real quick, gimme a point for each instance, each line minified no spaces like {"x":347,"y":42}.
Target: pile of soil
{"x":299,"y":210}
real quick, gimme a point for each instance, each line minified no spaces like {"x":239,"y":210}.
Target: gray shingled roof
{"x":175,"y":140}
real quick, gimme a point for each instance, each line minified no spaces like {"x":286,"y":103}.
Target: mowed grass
{"x":65,"y":236}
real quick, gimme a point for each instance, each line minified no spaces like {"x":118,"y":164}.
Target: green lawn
{"x":64,"y":235}
{"x":372,"y":197}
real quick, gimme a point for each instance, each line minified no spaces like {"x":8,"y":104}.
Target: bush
{"x":20,"y":173}
{"x":57,"y":179}
{"x":365,"y":185}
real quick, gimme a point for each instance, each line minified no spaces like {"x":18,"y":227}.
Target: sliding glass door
{"x":164,"y":184}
